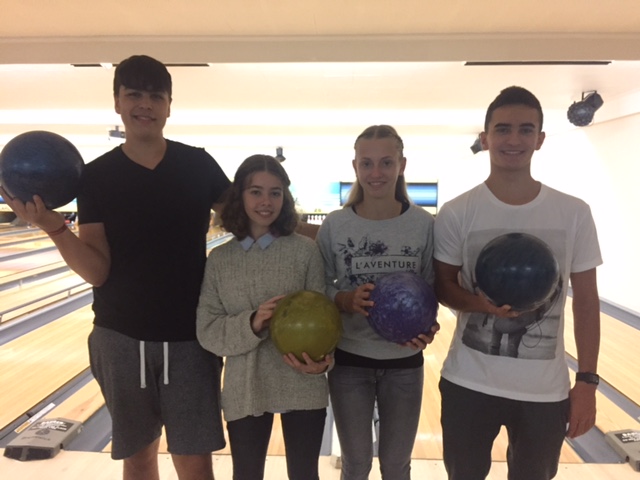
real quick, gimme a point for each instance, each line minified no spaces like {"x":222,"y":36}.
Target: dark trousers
{"x":302,"y":431}
{"x":472,"y":420}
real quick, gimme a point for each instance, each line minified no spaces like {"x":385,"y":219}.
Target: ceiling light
{"x":477,"y":145}
{"x":279,"y":157}
{"x":116,"y":134}
{"x":581,"y":113}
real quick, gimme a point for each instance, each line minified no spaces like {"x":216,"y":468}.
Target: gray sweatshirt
{"x":357,"y":251}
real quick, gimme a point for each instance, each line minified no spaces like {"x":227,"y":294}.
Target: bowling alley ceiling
{"x":253,"y":64}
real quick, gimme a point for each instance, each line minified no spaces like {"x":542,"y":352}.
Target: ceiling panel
{"x":45,"y":18}
{"x":287,"y":66}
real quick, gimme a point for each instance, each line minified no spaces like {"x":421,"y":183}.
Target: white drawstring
{"x":143,"y":369}
{"x":165,"y":348}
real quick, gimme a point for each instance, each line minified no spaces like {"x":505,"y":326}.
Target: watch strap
{"x":588,"y":377}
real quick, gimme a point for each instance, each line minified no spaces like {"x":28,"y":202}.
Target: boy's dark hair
{"x":235,"y":219}
{"x":356,"y":194}
{"x":513,"y":96}
{"x":142,"y":72}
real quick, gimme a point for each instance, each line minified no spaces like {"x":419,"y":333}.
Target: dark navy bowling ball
{"x":405,"y":306}
{"x":41,"y":163}
{"x":517,"y":269}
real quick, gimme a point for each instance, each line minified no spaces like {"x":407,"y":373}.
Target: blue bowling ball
{"x":405,"y":306}
{"x":517,"y":269}
{"x":41,"y":163}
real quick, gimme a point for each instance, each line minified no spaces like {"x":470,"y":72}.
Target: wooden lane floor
{"x":38,"y":363}
{"x":25,"y":247}
{"x":618,"y":365}
{"x":81,"y":405}
{"x":99,"y":466}
{"x":618,"y":361}
{"x":8,"y":238}
{"x":33,"y":262}
{"x":22,"y":299}
{"x":41,"y":261}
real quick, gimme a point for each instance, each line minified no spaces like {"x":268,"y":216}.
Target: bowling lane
{"x":81,"y":405}
{"x":38,"y":363}
{"x":40,"y":242}
{"x":7,"y":236}
{"x":39,"y":260}
{"x":8,"y":228}
{"x":618,"y":362}
{"x":29,"y":297}
{"x":34,"y":262}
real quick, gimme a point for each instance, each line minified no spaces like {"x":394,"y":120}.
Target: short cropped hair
{"x":234,"y":217}
{"x":513,"y":96}
{"x":144,"y":73}
{"x":356,"y":194}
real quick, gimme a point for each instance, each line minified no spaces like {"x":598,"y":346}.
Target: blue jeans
{"x":354,"y":392}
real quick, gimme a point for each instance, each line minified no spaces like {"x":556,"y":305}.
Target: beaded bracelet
{"x":58,"y":231}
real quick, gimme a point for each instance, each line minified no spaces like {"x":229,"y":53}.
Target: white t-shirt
{"x":523,"y":358}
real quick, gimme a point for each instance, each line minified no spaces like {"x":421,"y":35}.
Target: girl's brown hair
{"x":235,"y":219}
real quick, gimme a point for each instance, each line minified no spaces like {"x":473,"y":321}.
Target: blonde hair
{"x":356,"y":194}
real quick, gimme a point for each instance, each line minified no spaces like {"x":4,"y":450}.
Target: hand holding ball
{"x":405,"y":306}
{"x":517,"y":269}
{"x":41,"y":163}
{"x":306,"y":321}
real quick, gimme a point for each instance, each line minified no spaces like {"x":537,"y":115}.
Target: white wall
{"x":314,"y":164}
{"x":599,"y":163}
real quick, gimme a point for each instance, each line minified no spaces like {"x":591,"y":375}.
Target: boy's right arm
{"x":87,"y":254}
{"x":451,"y":294}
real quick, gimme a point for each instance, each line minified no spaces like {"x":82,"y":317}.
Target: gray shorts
{"x":179,"y":387}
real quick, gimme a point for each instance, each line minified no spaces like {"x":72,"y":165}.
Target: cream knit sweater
{"x":236,"y":282}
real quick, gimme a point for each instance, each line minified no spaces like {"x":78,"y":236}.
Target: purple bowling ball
{"x":405,"y":306}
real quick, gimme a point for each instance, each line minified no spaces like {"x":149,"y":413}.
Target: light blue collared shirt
{"x":263,"y":242}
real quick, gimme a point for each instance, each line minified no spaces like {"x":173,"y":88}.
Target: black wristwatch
{"x":588,"y":377}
